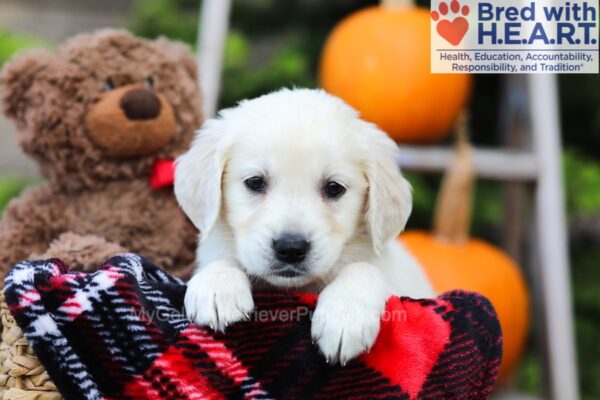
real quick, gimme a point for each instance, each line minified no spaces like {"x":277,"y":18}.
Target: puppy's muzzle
{"x":291,"y":248}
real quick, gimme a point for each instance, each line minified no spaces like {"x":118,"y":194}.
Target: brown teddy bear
{"x":101,"y":116}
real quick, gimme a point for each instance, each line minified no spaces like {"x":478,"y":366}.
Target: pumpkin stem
{"x":397,"y":3}
{"x":453,"y":209}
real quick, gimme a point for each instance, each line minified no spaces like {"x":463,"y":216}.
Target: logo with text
{"x":508,"y":36}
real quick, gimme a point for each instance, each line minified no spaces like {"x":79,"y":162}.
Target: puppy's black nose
{"x":291,"y":248}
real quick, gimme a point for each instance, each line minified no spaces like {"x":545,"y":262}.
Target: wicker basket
{"x":23,"y":376}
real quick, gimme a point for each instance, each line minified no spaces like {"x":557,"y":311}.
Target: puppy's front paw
{"x":218,"y":295}
{"x":345,"y":327}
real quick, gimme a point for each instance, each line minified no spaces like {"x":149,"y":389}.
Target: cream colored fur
{"x":298,"y":140}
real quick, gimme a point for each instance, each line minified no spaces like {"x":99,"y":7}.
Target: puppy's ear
{"x":389,"y":200}
{"x":198,"y":175}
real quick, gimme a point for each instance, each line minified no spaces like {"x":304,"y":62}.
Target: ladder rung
{"x":507,"y":165}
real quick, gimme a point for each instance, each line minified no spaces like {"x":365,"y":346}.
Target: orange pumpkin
{"x":378,"y":60}
{"x":455,"y":261}
{"x":479,"y":267}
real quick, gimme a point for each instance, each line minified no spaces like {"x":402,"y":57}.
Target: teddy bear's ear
{"x":16,"y":79}
{"x":180,"y":53}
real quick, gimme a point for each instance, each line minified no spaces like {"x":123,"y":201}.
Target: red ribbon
{"x":162,"y":174}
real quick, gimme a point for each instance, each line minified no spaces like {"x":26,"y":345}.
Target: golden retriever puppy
{"x":293,"y":190}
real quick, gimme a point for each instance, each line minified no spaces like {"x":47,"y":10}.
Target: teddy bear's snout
{"x":140,"y":103}
{"x":131,"y":121}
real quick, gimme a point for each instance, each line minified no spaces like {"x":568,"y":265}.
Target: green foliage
{"x":237,"y":51}
{"x":487,"y":204}
{"x":12,"y":43}
{"x":529,"y":377}
{"x":174,"y":19}
{"x":243,"y":77}
{"x":487,"y":208}
{"x":424,"y":196}
{"x":250,"y":67}
{"x":586,"y":280}
{"x":10,"y":186}
{"x":580,"y":112}
{"x":423,"y":192}
{"x":582,"y":183}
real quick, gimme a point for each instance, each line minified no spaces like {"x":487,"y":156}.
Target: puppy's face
{"x":294,"y":191}
{"x":296,"y":176}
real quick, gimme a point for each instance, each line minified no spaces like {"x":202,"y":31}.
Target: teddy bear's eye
{"x":108,"y":85}
{"x":150,"y":82}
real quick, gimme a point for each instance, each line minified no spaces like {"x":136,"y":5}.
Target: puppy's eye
{"x":333,"y":190}
{"x":150,"y":82}
{"x":256,"y":184}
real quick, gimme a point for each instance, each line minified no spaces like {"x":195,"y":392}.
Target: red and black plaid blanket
{"x":121,"y":333}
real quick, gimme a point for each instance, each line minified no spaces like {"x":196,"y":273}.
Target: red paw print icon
{"x":453,"y":30}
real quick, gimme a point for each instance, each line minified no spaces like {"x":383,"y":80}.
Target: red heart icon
{"x":453,"y":31}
